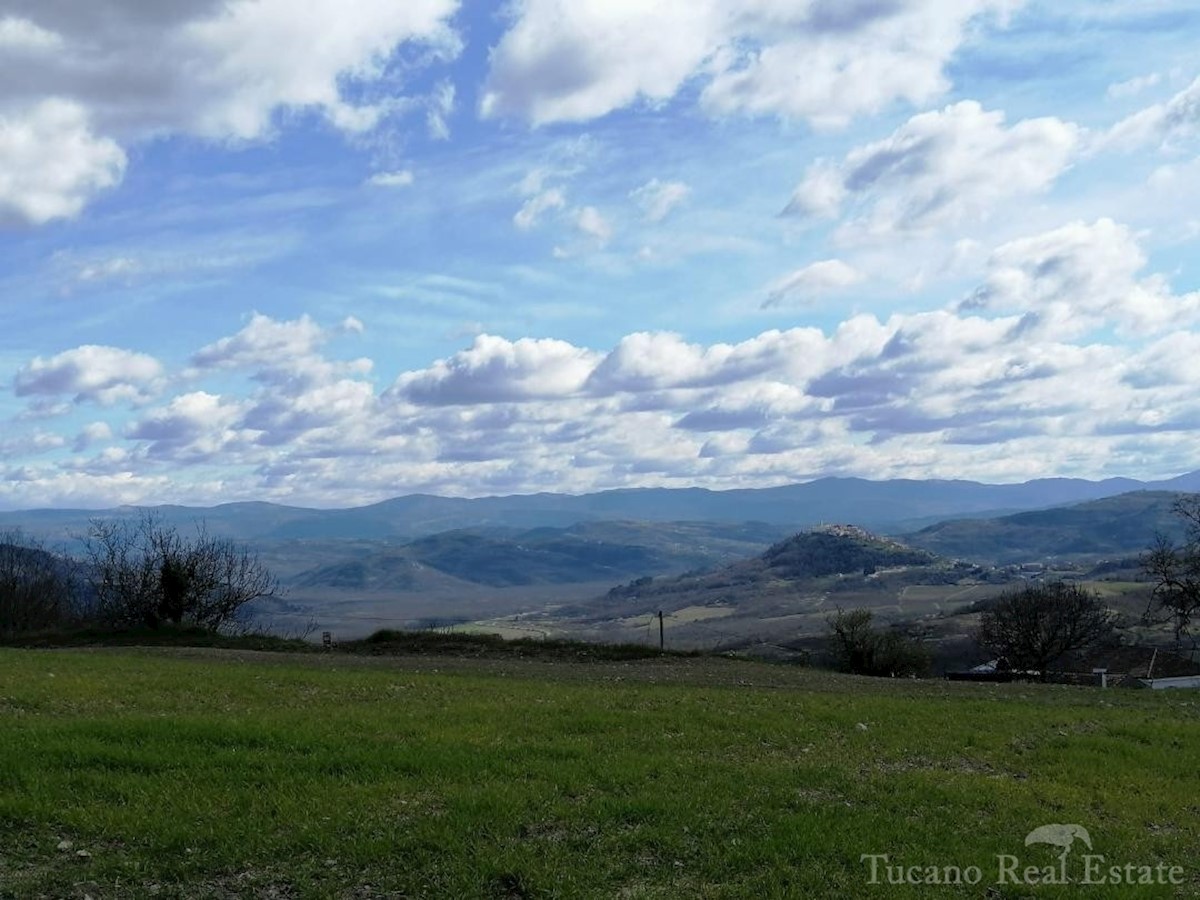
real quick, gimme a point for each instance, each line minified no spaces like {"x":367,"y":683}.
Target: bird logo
{"x":1056,"y":835}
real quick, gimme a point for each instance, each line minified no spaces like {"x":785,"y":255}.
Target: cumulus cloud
{"x":825,"y":61}
{"x":577,"y":60}
{"x":92,"y":433}
{"x":657,"y":198}
{"x":940,"y":168}
{"x":104,"y":375}
{"x":1082,"y":276}
{"x":51,"y":163}
{"x":814,"y":280}
{"x":193,"y":427}
{"x":829,"y":61}
{"x":495,"y":369}
{"x":184,"y":418}
{"x":270,"y":345}
{"x":1005,"y":386}
{"x":78,"y":84}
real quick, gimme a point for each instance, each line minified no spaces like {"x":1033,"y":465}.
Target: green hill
{"x":586,"y":552}
{"x":836,"y":558}
{"x":838,"y":550}
{"x":1119,"y":526}
{"x":193,"y":773}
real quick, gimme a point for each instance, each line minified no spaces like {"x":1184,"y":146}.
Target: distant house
{"x":1160,"y":684}
{"x":1133,"y":666}
{"x":1122,"y":666}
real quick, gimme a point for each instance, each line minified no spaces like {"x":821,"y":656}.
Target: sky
{"x":333,"y":252}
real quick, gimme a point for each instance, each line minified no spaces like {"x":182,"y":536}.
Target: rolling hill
{"x":805,"y":566}
{"x":1117,"y":526}
{"x":589,"y":552}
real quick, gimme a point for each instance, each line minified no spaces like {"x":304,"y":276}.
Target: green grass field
{"x":222,"y":773}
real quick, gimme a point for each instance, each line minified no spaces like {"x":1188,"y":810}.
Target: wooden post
{"x":662,"y":644}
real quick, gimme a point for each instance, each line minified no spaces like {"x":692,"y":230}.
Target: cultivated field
{"x":177,"y":773}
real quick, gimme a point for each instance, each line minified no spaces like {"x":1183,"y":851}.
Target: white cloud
{"x":495,"y":369}
{"x":832,"y":61}
{"x":92,"y":433}
{"x":104,"y":375}
{"x":538,"y":205}
{"x":1080,"y":277}
{"x":1165,"y":124}
{"x":19,"y":35}
{"x":440,"y":106}
{"x":1132,"y":87}
{"x":397,"y":179}
{"x":573,"y":60}
{"x":266,"y":54}
{"x":592,"y":223}
{"x":185,"y":417}
{"x":978,"y":392}
{"x":78,"y":84}
{"x":940,"y":168}
{"x":51,"y":164}
{"x":814,"y":280}
{"x":657,"y":198}
{"x":825,"y":61}
{"x":263,"y":343}
{"x":112,"y":268}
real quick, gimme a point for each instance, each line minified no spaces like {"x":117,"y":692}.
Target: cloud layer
{"x":1017,"y":378}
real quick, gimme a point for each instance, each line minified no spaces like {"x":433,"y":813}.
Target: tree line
{"x":130,"y":573}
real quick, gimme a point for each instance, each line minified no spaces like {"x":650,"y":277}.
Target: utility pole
{"x":661,"y":639}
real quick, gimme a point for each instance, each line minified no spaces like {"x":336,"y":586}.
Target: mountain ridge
{"x":881,"y":505}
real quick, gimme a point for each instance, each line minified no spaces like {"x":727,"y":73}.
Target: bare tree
{"x":38,"y":589}
{"x":1175,"y":570}
{"x":1039,"y":625}
{"x":145,"y":573}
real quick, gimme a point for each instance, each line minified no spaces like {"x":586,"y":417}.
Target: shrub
{"x":861,"y":649}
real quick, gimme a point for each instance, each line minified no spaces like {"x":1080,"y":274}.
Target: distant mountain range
{"x":898,"y":505}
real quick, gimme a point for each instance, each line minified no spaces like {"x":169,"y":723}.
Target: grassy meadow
{"x":218,"y":773}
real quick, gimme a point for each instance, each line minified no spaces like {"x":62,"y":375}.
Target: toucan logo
{"x":1088,"y":868}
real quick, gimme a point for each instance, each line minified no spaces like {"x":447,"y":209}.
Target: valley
{"x":765,"y":588}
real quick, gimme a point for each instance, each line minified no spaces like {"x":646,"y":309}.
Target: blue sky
{"x":331,"y":253}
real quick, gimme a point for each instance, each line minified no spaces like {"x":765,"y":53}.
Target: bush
{"x":860,"y":649}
